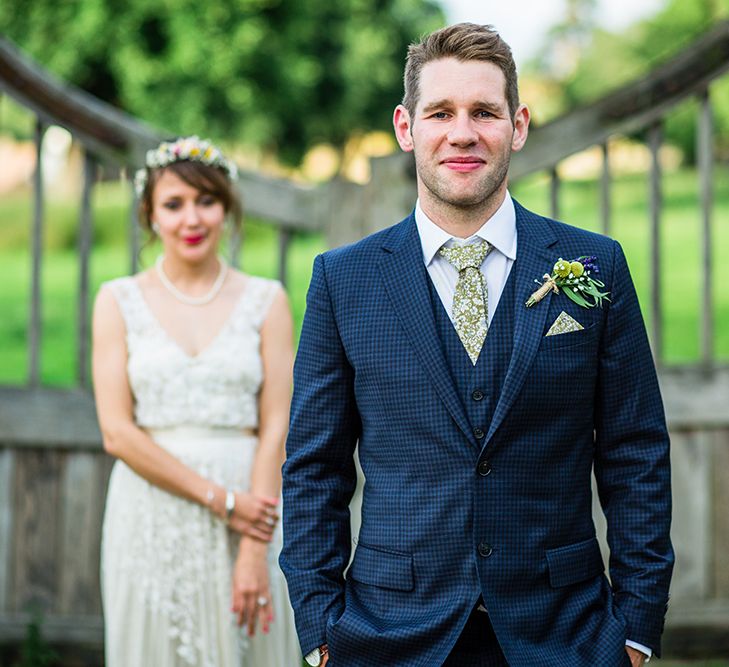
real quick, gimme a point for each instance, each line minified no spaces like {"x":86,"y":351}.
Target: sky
{"x":524,"y":23}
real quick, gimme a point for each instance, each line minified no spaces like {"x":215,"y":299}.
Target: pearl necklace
{"x":184,"y":298}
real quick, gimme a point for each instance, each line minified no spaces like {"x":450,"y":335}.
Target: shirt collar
{"x":499,"y":230}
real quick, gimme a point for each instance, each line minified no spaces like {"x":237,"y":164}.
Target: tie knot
{"x":466,"y":256}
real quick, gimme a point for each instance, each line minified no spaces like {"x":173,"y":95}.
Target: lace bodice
{"x":216,"y":388}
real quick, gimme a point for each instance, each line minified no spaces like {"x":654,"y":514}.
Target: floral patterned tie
{"x":470,"y":300}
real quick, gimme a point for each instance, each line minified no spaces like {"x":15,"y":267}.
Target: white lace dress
{"x":166,"y":563}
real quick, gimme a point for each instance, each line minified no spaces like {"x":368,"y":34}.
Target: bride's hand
{"x":251,"y":599}
{"x":254,"y":516}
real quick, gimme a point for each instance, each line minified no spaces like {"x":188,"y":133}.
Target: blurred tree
{"x":279,"y":74}
{"x":608,"y":60}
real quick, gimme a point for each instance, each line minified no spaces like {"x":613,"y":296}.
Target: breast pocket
{"x":571,"y":339}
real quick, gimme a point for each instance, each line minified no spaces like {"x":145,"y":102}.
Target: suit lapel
{"x":404,"y":276}
{"x":533,"y":259}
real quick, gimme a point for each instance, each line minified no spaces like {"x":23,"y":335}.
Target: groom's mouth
{"x":463,"y":164}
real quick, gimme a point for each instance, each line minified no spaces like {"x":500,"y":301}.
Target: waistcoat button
{"x":484,"y":468}
{"x":485,"y":550}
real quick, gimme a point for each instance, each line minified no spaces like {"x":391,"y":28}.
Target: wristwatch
{"x":315,"y":657}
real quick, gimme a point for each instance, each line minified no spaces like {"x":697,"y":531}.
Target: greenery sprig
{"x":577,"y":280}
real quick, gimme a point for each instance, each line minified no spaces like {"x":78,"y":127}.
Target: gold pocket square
{"x":564,"y":324}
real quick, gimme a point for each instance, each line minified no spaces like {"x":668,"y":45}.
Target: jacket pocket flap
{"x":574,"y":563}
{"x":382,"y":568}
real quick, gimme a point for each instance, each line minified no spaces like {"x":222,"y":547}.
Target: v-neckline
{"x":211,"y":343}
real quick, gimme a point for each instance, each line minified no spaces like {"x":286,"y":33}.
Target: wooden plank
{"x":695,"y":398}
{"x":78,"y":591}
{"x":554,"y":184}
{"x":284,"y":241}
{"x":720,"y":520}
{"x":34,"y":334}
{"x":7,"y":458}
{"x":84,"y":255}
{"x":705,"y":160}
{"x":84,"y":630}
{"x":691,"y":468}
{"x":655,"y":139}
{"x":48,"y":418}
{"x":35,"y":536}
{"x":605,"y":190}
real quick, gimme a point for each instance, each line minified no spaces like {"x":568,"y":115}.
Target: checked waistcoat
{"x":479,"y":384}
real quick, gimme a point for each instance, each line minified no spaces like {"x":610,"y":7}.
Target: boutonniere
{"x":576,"y":278}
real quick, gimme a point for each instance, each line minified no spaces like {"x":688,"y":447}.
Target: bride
{"x":192,"y":377}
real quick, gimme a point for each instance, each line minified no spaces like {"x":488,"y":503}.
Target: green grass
{"x":680,"y":242}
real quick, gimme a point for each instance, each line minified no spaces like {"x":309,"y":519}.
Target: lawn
{"x":680,"y":243}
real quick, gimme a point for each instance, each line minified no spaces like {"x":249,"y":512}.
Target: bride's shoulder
{"x":249,"y":285}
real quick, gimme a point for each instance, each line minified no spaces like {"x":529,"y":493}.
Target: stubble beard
{"x":480,"y":196}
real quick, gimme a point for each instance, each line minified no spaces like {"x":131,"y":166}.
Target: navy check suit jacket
{"x":436,"y":535}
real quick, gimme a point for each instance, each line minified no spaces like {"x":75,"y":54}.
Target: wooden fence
{"x":53,"y":472}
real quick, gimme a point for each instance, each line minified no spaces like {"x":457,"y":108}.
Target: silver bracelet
{"x":229,"y":505}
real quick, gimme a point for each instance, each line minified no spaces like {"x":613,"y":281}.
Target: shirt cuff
{"x":639,"y":647}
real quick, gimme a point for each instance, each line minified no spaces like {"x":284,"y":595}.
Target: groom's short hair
{"x":464,"y":42}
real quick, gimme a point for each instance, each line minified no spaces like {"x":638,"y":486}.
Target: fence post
{"x":704,"y":154}
{"x":655,"y":139}
{"x":605,"y":186}
{"x":84,"y":250}
{"x":34,"y":338}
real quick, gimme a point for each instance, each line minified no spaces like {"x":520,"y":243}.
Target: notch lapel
{"x":404,"y":276}
{"x":533,"y":259}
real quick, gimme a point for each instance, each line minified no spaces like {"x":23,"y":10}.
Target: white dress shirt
{"x":500,"y":231}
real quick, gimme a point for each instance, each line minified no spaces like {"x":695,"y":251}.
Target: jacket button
{"x":484,"y":468}
{"x":478,"y":432}
{"x":477,"y":395}
{"x":485,"y":550}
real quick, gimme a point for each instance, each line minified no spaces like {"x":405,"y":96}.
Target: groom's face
{"x":462,"y":133}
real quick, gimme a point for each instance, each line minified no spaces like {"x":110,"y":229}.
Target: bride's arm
{"x":274,"y":399}
{"x":250,"y":579}
{"x":126,"y":441}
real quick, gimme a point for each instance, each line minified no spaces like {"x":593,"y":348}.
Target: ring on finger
{"x":262,"y":601}
{"x":270,"y":521}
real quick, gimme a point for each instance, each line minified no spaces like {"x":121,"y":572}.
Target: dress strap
{"x":258,"y":297}
{"x":131,"y":303}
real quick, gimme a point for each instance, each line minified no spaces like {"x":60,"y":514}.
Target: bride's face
{"x":189,"y":221}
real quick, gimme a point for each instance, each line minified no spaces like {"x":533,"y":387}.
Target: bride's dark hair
{"x":205,"y":178}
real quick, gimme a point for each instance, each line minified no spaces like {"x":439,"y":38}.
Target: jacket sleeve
{"x":632,"y":464}
{"x":319,"y":476}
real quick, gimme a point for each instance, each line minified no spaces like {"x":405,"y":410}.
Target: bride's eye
{"x":207,"y":200}
{"x":172,"y":204}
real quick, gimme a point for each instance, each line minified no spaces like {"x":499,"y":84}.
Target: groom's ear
{"x":401,"y":121}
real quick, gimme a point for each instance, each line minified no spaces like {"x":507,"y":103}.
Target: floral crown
{"x":186,"y":148}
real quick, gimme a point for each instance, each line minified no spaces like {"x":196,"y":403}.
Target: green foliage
{"x":608,"y":60}
{"x":35,"y":651}
{"x":278,"y":74}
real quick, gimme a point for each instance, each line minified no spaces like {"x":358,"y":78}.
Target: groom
{"x":478,"y":419}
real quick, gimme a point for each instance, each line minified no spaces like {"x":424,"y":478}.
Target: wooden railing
{"x":52,"y":470}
